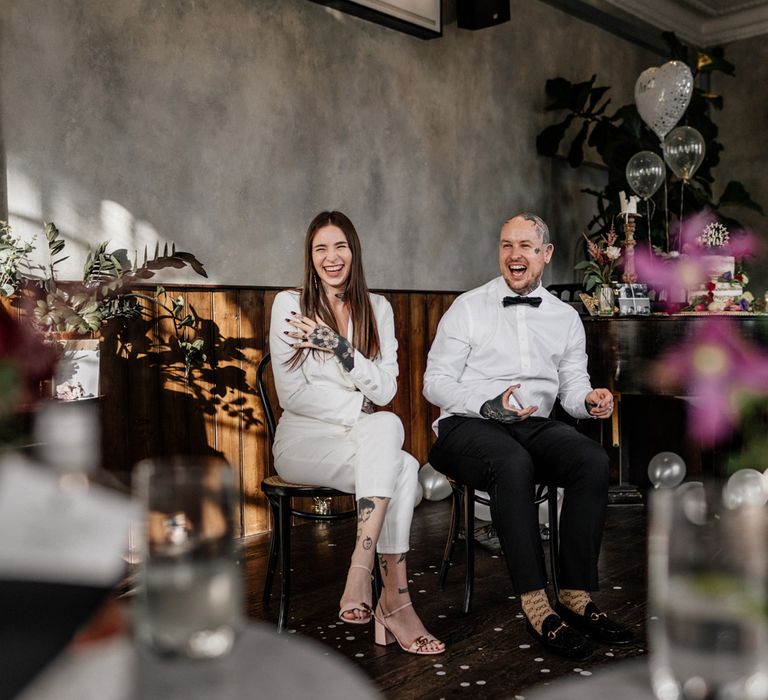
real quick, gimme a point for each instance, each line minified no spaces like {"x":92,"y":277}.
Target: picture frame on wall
{"x":420,"y":18}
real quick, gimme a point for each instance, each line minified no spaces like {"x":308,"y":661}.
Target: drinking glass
{"x":708,"y":596}
{"x":190,"y":597}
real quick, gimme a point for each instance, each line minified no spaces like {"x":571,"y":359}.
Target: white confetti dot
{"x":432,"y":566}
{"x":545,"y":670}
{"x":291,"y":631}
{"x":654,"y":617}
{"x":359,"y":655}
{"x":463,"y":667}
{"x":617,"y":588}
{"x":539,"y":658}
{"x":465,"y":684}
{"x":349,"y":639}
{"x":578,"y":670}
{"x":494,"y":556}
{"x":586,"y":673}
{"x":440,"y":673}
{"x":519,"y":616}
{"x":498,"y":629}
{"x":524,"y":646}
{"x":442,"y":616}
{"x":609,"y":653}
{"x":480,"y":682}
{"x":331,"y":544}
{"x":330,"y":627}
{"x":422,"y":591}
{"x":437,"y":665}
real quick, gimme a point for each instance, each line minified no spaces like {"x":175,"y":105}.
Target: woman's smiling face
{"x":331,"y":257}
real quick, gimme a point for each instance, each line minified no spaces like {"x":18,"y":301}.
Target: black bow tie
{"x":511,"y":301}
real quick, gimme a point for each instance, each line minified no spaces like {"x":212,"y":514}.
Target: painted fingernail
{"x":286,"y":333}
{"x":293,"y":313}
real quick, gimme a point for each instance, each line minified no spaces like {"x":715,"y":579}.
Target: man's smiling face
{"x":523,"y":255}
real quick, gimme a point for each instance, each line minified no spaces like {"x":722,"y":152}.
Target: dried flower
{"x":605,"y":255}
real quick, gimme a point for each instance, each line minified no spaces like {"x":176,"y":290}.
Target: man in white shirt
{"x":503,"y":354}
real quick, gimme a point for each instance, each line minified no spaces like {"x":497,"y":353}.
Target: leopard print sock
{"x":576,"y":601}
{"x":536,"y":607}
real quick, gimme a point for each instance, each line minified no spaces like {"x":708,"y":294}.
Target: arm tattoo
{"x":365,"y":506}
{"x":367,"y":543}
{"x":384,"y":564}
{"x":402,"y":558}
{"x":402,"y":591}
{"x":328,"y":339}
{"x":493,"y":409}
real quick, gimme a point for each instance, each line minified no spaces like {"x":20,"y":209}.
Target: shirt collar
{"x":502,"y":290}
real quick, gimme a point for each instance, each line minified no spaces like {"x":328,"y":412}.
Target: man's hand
{"x":599,"y":403}
{"x":500,"y":409}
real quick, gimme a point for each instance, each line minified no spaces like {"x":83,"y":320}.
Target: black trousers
{"x":507,"y":460}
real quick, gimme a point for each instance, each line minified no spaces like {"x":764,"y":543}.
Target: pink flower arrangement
{"x":604,"y":254}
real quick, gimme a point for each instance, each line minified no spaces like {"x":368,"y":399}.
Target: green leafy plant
{"x":105,"y":292}
{"x":618,"y":135}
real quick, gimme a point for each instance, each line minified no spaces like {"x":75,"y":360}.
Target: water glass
{"x":190,"y":597}
{"x":708,"y":596}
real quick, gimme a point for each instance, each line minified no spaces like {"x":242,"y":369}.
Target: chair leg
{"x":469,"y":540}
{"x":453,"y":533}
{"x":377,"y":584}
{"x":274,"y":544}
{"x":285,"y":560}
{"x":554,"y":543}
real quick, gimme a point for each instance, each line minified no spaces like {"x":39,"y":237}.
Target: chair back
{"x":261,"y":387}
{"x":566,"y":292}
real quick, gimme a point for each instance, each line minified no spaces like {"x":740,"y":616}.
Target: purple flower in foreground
{"x":743,"y":244}
{"x":719,"y":369}
{"x":673,"y":274}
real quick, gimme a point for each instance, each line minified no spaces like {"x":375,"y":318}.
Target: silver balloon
{"x":745,"y":487}
{"x":684,"y":151}
{"x":666,"y":469}
{"x":645,"y":173}
{"x":434,"y":484}
{"x":662,"y":95}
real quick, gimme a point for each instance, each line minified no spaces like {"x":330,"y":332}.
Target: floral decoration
{"x":605,"y":255}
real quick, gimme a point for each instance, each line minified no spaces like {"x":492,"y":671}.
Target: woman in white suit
{"x":334,"y":358}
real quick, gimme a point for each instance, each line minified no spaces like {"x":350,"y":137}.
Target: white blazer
{"x":319,"y":396}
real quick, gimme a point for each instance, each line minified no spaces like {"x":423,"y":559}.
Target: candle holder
{"x":630,"y":274}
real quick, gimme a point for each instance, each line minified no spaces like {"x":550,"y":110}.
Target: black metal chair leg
{"x":554,"y":543}
{"x":469,"y":541}
{"x":453,"y":533}
{"x":274,"y":544}
{"x":285,"y":561}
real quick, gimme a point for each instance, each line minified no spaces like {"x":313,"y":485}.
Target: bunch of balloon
{"x":645,"y":173}
{"x":662,"y":95}
{"x":684,"y":152}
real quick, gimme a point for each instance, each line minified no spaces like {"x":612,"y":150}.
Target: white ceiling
{"x":703,"y":22}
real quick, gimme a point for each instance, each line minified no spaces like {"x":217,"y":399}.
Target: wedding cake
{"x":724,"y":288}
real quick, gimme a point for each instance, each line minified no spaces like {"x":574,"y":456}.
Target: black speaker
{"x":478,"y":14}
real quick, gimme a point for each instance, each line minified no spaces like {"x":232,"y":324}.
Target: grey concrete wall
{"x":225,"y":125}
{"x":743,"y":125}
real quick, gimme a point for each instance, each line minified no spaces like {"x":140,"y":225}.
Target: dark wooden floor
{"x":489,"y":654}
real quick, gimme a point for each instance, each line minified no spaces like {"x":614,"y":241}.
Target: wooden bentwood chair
{"x":463,"y":500}
{"x":280,"y":493}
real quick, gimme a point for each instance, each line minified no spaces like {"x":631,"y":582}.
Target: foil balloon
{"x":745,"y":487}
{"x":684,"y":151}
{"x":662,"y":95}
{"x":666,"y":470}
{"x":434,"y":484}
{"x":645,"y":173}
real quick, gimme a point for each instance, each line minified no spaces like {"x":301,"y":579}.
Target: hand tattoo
{"x":368,"y":406}
{"x":494,"y":410}
{"x":328,"y":339}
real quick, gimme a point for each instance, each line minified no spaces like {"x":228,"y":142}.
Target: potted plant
{"x":599,"y":270}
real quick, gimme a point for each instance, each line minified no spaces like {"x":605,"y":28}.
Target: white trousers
{"x":367,"y":460}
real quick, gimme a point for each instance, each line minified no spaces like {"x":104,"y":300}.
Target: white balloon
{"x":645,"y":173}
{"x":662,"y":95}
{"x":435,"y":485}
{"x":745,"y":487}
{"x":666,"y":469}
{"x":684,"y":151}
{"x":419,"y":493}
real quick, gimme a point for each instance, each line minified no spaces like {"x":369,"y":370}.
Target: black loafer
{"x":557,"y":638}
{"x":596,"y":625}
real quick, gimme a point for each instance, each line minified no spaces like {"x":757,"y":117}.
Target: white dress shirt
{"x":482,"y":347}
{"x":320,"y":391}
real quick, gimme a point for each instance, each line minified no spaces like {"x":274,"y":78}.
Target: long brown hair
{"x":314,"y":302}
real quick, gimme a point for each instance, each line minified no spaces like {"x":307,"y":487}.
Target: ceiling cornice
{"x":695,"y":27}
